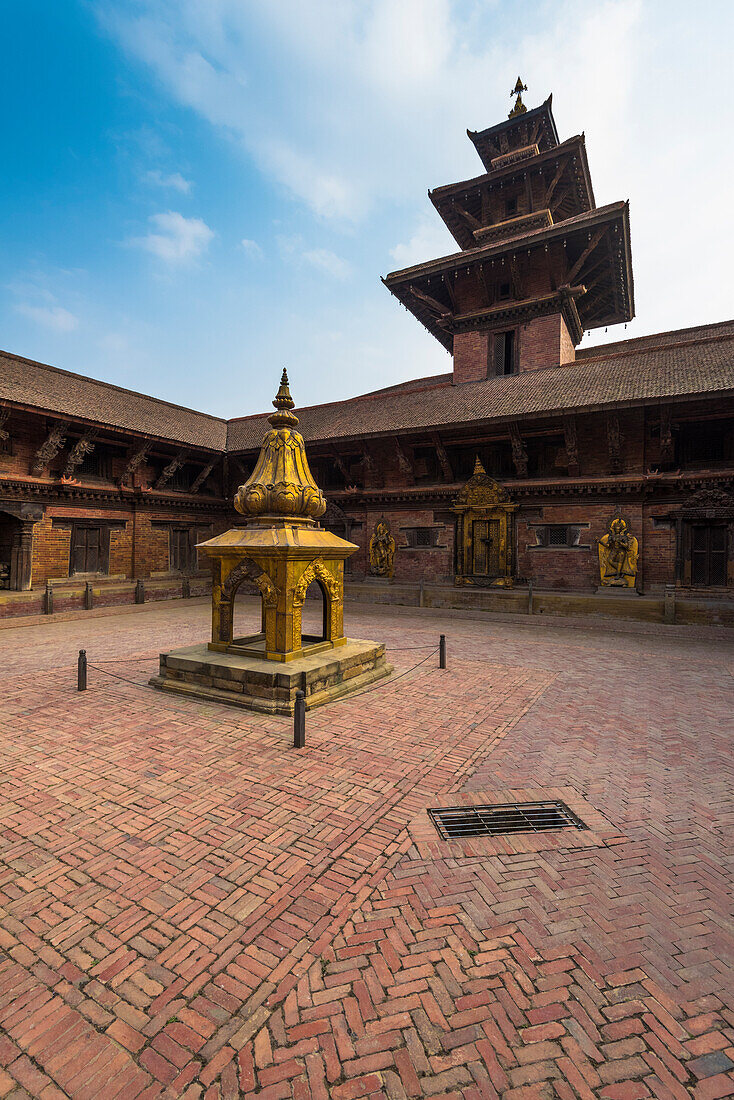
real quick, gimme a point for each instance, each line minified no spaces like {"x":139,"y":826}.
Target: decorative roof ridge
{"x":508,"y":123}
{"x":106,"y":385}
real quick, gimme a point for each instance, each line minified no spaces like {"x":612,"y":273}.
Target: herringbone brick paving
{"x":188,"y":907}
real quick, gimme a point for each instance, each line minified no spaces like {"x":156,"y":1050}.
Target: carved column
{"x":202,"y":476}
{"x":572,"y":445}
{"x":614,"y":443}
{"x":21,"y":557}
{"x":519,"y":454}
{"x":168,"y":471}
{"x":48,"y":450}
{"x":83,"y":446}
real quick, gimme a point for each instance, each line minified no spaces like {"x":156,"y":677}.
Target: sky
{"x":196,"y":193}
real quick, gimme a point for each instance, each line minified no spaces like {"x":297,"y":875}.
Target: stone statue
{"x":618,"y":556}
{"x":382,"y":551}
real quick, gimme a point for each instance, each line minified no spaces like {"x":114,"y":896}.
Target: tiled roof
{"x":25,"y":382}
{"x":683,"y":363}
{"x":678,"y":369}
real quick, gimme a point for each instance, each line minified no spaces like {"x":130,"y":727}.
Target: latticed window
{"x":557,"y":535}
{"x":421,"y":537}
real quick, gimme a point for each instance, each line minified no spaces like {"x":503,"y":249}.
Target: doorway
{"x":314,"y":622}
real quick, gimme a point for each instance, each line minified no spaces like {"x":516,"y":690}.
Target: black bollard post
{"x":88,"y":596}
{"x":186,"y":589}
{"x":81,"y":671}
{"x":442,"y":652}
{"x":49,"y":602}
{"x":139,"y":592}
{"x":299,"y":721}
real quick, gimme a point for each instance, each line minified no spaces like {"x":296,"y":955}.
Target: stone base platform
{"x":270,"y":686}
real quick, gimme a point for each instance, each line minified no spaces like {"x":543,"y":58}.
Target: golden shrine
{"x":484,"y":531}
{"x":281,"y":550}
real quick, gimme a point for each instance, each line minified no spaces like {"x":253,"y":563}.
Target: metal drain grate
{"x":512,"y":817}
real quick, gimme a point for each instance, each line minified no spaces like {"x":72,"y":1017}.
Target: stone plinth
{"x":258,"y":684}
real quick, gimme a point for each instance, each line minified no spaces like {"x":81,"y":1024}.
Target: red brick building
{"x":102,"y":487}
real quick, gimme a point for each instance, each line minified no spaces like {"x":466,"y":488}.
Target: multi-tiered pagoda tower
{"x":539,"y":264}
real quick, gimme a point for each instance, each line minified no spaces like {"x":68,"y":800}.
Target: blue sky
{"x":198,"y":192}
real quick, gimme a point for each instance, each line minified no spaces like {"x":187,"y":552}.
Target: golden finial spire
{"x":283,"y":402}
{"x":519,"y":107}
{"x":281,"y":488}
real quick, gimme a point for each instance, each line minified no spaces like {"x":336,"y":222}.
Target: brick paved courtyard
{"x":189,"y":907}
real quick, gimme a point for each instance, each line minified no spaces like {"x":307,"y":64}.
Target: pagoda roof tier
{"x":597,"y":245}
{"x":533,"y":127}
{"x":460,"y":204}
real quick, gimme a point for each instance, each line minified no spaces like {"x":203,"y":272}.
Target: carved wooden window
{"x":504,"y":291}
{"x":503,"y":352}
{"x":182,"y":549}
{"x":89,"y":550}
{"x":708,"y":554}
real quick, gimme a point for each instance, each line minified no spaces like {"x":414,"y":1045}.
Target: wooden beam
{"x":450,"y":291}
{"x":429,"y":301}
{"x":473,"y":222}
{"x":585,"y":254}
{"x":554,"y":182}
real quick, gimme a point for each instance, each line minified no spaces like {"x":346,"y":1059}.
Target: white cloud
{"x":176,"y":239}
{"x":172,"y":180}
{"x":53,"y":317}
{"x":328,"y":262}
{"x":431,"y":238}
{"x":323,"y":259}
{"x":252,"y":248}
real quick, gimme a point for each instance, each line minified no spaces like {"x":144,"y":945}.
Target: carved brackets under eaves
{"x":168,"y":471}
{"x":83,"y":446}
{"x":134,"y":461}
{"x":48,"y":450}
{"x":519,"y":454}
{"x":572,"y":445}
{"x":4,"y":433}
{"x":404,"y":464}
{"x":443,"y":458}
{"x":614,"y":443}
{"x":202,"y":476}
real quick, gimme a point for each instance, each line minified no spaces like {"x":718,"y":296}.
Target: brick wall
{"x":545,"y":342}
{"x":50,"y":552}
